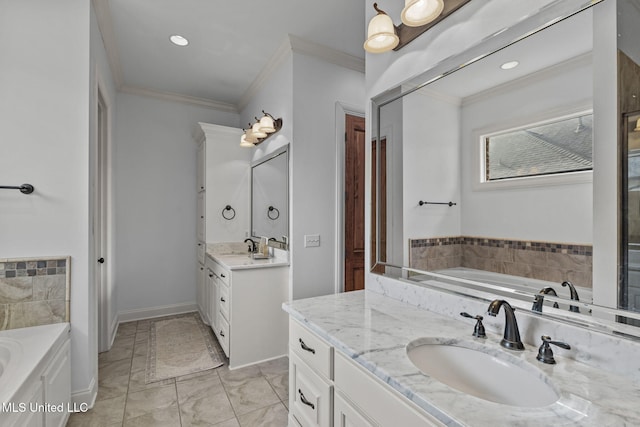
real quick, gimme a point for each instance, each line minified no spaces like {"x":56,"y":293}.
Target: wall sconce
{"x":262,"y":129}
{"x":417,"y":17}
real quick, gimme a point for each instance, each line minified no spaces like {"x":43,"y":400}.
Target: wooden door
{"x":354,"y":203}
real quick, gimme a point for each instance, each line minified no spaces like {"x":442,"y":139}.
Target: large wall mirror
{"x":270,"y":198}
{"x":483,"y":174}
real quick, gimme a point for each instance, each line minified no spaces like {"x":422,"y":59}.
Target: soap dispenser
{"x":264,"y":246}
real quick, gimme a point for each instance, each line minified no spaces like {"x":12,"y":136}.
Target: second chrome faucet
{"x":511,"y":338}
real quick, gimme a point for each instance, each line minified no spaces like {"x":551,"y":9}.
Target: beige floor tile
{"x":142,"y":336}
{"x":270,"y":416}
{"x":149,"y":401}
{"x":233,"y":422}
{"x":275,"y":367}
{"x":238,"y":377}
{"x":144,"y":325}
{"x":251,"y":395}
{"x":208,"y":372}
{"x":104,"y":413}
{"x":167,"y":417}
{"x":206,"y":410}
{"x":280,"y":385}
{"x":126,"y":329}
{"x":112,"y":386}
{"x":209,"y":384}
{"x":140,"y":348}
{"x":121,"y":349}
{"x":137,"y":381}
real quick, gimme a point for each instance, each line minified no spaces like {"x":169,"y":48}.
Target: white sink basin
{"x":482,"y":372}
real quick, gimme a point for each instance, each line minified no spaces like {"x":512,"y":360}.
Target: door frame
{"x":341,"y":110}
{"x":102,"y":164}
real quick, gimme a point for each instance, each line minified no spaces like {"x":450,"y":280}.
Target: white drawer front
{"x":223,"y":333}
{"x":222,"y":273}
{"x":311,"y":349}
{"x":310,"y":396}
{"x":223,"y":301}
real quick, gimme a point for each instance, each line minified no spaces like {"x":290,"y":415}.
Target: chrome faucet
{"x":539,"y":299}
{"x":574,"y":296}
{"x":511,"y":338}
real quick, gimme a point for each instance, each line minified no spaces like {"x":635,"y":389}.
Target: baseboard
{"x":258,"y":361}
{"x":148,"y":313}
{"x":85,"y":399}
{"x":113,"y":330}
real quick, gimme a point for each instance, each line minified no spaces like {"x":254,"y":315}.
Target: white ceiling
{"x":230,"y":42}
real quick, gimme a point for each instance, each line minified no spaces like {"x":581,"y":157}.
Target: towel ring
{"x":271,"y":209}
{"x":228,"y":208}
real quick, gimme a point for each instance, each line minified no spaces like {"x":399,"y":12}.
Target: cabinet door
{"x":200,"y":167}
{"x":57,"y":387}
{"x":200,"y":291}
{"x":211,"y":297}
{"x":345,"y":415}
{"x":215,"y":307}
{"x":200,"y":225}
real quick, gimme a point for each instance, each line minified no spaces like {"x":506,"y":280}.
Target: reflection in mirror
{"x":270,"y":197}
{"x":526,"y":234}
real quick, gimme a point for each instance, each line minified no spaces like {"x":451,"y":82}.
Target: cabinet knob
{"x":101,"y":260}
{"x":221,"y":333}
{"x":222,"y":299}
{"x":210,"y":274}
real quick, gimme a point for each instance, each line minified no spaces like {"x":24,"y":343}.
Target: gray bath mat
{"x":179,"y":346}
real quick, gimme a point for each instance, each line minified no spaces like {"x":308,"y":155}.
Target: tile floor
{"x":247,"y":397}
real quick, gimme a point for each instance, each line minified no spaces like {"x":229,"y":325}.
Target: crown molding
{"x":105,"y":25}
{"x":295,"y":44}
{"x":184,"y":99}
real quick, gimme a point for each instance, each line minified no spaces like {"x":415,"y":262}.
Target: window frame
{"x":478,"y":137}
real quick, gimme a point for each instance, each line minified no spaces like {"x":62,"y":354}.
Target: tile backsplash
{"x":34,"y":291}
{"x":551,"y":261}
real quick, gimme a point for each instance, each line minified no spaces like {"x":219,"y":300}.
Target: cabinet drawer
{"x":222,"y":273}
{"x":223,"y":333}
{"x":311,"y":349}
{"x":310,"y":396}
{"x":376,"y":399}
{"x":223,"y":301}
{"x":346,"y":415}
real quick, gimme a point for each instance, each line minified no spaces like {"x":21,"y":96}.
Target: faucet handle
{"x":478,"y":330}
{"x":545,"y":354}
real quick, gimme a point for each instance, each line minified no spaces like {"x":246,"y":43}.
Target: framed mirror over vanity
{"x":270,"y":198}
{"x":511,"y":169}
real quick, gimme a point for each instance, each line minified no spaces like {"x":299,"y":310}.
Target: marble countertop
{"x":235,"y":261}
{"x":373,"y":330}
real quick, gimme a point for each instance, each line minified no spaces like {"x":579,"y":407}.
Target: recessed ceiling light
{"x":509,"y":65}
{"x":178,"y":40}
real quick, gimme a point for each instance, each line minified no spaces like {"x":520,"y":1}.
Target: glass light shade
{"x":381,"y":35}
{"x":257,"y":132}
{"x":244,"y":142}
{"x":267,"y":125}
{"x":420,"y":12}
{"x":637,"y":129}
{"x":250,"y":137}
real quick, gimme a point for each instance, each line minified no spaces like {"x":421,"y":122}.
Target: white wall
{"x":431,"y":167}
{"x":555,"y":213}
{"x":305,"y":90}
{"x":155,"y":201}
{"x":44,"y":129}
{"x":317,"y":86}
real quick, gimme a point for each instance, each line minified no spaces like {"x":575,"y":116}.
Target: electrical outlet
{"x":311,"y":240}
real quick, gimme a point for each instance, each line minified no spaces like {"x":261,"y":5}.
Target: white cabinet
{"x":200,"y":291}
{"x":200,"y":167}
{"x":44,"y":399}
{"x":250,"y":323}
{"x":327,"y":388}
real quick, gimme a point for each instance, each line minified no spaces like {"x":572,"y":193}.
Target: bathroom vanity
{"x":243,"y":300}
{"x":349,"y":366}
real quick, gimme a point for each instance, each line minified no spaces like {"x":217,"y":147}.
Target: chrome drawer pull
{"x":222,"y":299}
{"x":221,"y":333}
{"x":305,"y":401}
{"x":222,"y":275}
{"x":305,"y":347}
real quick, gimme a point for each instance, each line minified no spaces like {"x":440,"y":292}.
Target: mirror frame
{"x":284,"y":150}
{"x":604,"y":317}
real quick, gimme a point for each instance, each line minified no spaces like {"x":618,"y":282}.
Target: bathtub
{"x":35,"y":375}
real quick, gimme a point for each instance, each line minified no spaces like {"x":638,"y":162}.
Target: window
{"x":558,"y":146}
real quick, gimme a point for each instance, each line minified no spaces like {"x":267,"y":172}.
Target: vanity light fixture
{"x":421,"y":12}
{"x":262,"y":129}
{"x":417,"y":17}
{"x":178,"y":40}
{"x":509,"y":65}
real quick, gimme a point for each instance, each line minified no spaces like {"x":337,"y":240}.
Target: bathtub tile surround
{"x":374,"y":330}
{"x":34,"y":291}
{"x":550,"y":261}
